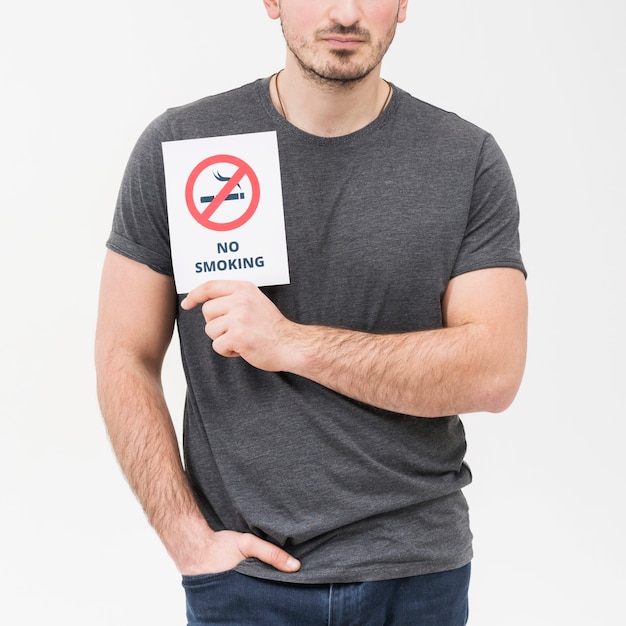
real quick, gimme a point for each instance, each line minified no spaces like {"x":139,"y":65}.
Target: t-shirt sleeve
{"x":140,"y":226}
{"x":492,"y":233}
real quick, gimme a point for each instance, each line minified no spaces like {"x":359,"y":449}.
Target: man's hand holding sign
{"x":243,"y":322}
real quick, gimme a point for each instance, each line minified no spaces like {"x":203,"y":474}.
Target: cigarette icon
{"x":230,"y":196}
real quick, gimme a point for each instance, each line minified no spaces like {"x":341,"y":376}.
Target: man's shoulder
{"x":227,"y":112}
{"x":218,"y":101}
{"x":435,"y":120}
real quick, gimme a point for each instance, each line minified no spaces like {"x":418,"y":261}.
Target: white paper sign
{"x":225,"y":210}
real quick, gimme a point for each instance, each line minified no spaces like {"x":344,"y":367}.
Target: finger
{"x":221,"y":342}
{"x":217,"y":330}
{"x":214,"y":309}
{"x":208,"y":291}
{"x":267,"y":552}
{"x":222,"y":349}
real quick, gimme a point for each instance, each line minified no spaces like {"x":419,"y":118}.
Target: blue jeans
{"x":231,"y":598}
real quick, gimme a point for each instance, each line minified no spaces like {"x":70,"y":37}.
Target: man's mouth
{"x":343,"y":42}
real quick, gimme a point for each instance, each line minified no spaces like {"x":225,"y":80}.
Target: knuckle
{"x":247,"y":544}
{"x":275,"y":554}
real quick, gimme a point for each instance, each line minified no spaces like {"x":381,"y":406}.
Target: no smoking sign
{"x":225,"y":210}
{"x":228,"y":206}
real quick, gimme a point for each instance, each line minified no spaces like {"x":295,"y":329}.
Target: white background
{"x":81,"y":80}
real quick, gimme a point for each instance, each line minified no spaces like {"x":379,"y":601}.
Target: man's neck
{"x":326,"y":109}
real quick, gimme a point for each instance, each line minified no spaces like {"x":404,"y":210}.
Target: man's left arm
{"x":474,"y":363}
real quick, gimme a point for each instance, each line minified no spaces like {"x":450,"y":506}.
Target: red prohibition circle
{"x":204,"y":217}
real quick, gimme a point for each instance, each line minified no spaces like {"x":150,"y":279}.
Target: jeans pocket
{"x":199,"y":580}
{"x":212,"y":598}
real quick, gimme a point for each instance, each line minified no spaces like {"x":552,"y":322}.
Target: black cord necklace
{"x":284,"y":112}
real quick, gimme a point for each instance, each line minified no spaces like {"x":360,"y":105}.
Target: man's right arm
{"x":136,"y":317}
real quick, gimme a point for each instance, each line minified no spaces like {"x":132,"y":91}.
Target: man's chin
{"x":338,"y":73}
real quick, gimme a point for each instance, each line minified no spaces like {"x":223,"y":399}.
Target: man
{"x":323,"y":448}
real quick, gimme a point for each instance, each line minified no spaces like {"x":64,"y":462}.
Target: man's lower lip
{"x":342,"y":43}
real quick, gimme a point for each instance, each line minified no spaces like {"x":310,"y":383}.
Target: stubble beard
{"x":339,"y":70}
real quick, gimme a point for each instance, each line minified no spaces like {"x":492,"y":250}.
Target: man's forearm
{"x":474,"y":363}
{"x":145,"y":443}
{"x":429,"y":374}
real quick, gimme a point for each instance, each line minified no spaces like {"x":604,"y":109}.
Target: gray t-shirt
{"x":377,"y":223}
